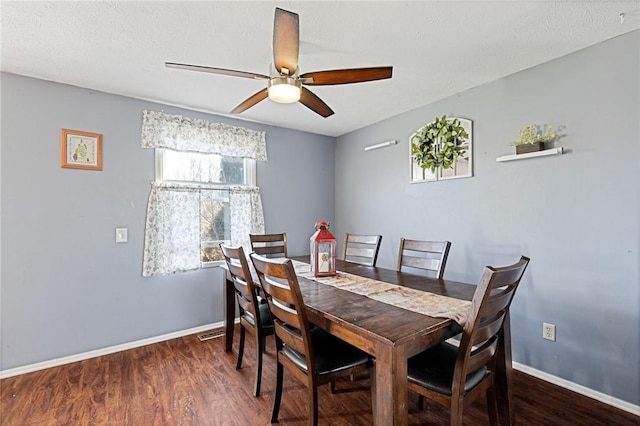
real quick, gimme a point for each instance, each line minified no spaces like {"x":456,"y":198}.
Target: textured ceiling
{"x":436,"y":48}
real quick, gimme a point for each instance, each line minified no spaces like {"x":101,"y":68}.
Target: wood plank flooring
{"x":188,"y":382}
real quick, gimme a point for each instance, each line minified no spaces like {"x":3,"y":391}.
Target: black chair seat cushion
{"x":265,"y":317}
{"x":331,"y":354}
{"x":433,"y":369}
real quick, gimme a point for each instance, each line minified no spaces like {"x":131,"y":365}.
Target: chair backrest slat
{"x":425,"y":246}
{"x":364,"y":239}
{"x":285,"y":313}
{"x":289,"y":336}
{"x":500,"y":300}
{"x":483,"y":355}
{"x":421,"y":262}
{"x":488,"y":329}
{"x":360,"y":252}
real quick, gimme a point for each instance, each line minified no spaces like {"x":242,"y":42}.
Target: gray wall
{"x":67,"y":287}
{"x":575,"y":215}
{"x":293,"y":203}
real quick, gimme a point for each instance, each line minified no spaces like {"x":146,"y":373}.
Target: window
{"x":203,"y":168}
{"x":204,"y":192}
{"x":213,"y":172}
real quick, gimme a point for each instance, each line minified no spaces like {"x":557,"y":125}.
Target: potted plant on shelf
{"x":532,"y":139}
{"x":439,"y":143}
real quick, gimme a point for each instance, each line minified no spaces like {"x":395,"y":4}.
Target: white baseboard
{"x":105,"y":351}
{"x":599,"y":396}
{"x":582,"y":390}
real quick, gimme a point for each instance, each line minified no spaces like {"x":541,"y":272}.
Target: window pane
{"x":196,"y":167}
{"x":211,"y":254}
{"x":214,"y":216}
{"x":214,"y":224}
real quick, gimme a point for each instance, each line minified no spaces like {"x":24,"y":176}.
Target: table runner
{"x":422,"y":302}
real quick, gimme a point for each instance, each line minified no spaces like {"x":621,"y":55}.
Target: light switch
{"x":121,"y":235}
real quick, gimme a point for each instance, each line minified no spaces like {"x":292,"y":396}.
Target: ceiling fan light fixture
{"x":284,"y":90}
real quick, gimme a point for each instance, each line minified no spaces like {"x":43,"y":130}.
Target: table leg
{"x":504,"y":373}
{"x":389,"y":391}
{"x":228,"y":293}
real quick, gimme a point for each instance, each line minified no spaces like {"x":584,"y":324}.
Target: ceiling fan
{"x":287,"y":85}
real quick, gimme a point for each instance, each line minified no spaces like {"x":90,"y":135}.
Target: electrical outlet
{"x":549,"y":331}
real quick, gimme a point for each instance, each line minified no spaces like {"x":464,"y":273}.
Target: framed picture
{"x":80,"y":150}
{"x":463,"y":167}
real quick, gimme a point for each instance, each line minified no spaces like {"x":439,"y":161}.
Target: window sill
{"x":212,"y":264}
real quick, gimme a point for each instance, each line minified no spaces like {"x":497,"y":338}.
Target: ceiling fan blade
{"x":355,"y":75}
{"x":232,"y":73}
{"x":314,"y":103}
{"x":251,"y":101}
{"x":286,"y":40}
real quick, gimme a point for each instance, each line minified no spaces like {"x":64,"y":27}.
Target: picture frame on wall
{"x":80,"y":150}
{"x":463,"y":167}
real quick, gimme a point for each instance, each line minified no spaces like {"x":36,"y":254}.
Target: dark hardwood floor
{"x":187,"y":382}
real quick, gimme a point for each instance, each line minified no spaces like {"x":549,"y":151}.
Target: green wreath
{"x":439,"y":143}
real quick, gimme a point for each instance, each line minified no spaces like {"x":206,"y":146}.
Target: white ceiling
{"x":437,"y":48}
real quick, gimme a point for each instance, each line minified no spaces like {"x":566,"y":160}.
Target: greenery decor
{"x":439,"y":143}
{"x":531,"y":134}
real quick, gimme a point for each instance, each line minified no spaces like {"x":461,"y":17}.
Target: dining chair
{"x":269,"y":245}
{"x":427,"y":255}
{"x":311,"y":355}
{"x":455,"y":376}
{"x":362,"y":249}
{"x":255,"y":317}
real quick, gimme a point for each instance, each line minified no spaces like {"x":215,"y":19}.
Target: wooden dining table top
{"x":377,"y":319}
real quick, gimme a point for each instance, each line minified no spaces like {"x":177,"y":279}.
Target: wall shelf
{"x":552,"y":151}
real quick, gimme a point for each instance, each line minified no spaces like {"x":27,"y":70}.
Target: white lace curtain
{"x":172,"y":233}
{"x":160,"y":130}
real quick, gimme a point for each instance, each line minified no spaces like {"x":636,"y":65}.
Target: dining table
{"x":390,"y":333}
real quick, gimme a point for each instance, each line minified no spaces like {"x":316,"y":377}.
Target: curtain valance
{"x":160,"y":130}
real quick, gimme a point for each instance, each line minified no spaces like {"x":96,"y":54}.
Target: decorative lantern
{"x":323,"y":251}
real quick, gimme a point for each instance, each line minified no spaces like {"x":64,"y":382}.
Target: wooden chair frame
{"x":291,"y":325}
{"x":251,"y":319}
{"x":361,"y":249}
{"x":478,"y":346}
{"x":427,"y":255}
